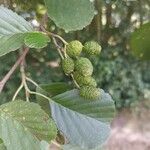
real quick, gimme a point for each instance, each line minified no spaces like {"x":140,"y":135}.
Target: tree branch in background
{"x":141,"y":12}
{"x":14,"y":67}
{"x":107,"y":29}
{"x":108,"y":15}
{"x":98,"y":5}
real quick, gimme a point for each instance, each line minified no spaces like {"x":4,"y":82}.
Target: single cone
{"x":92,"y":48}
{"x":84,"y":66}
{"x":68,"y":65}
{"x":74,"y":48}
{"x":84,"y":80}
{"x":90,"y":93}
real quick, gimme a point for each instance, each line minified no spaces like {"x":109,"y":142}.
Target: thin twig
{"x":59,"y":37}
{"x":58,"y":48}
{"x":14,"y":67}
{"x":33,"y":82}
{"x":64,"y":50}
{"x":39,"y":94}
{"x":17,"y":92}
{"x":27,"y":90}
{"x":23,"y":75}
{"x":44,"y":20}
{"x":76,"y":84}
{"x":53,"y":35}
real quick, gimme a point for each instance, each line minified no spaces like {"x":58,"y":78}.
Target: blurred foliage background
{"x":117,"y":71}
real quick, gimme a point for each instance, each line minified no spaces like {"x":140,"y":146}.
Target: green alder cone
{"x":84,"y":80}
{"x":92,"y":48}
{"x":67,"y":65}
{"x":84,"y":66}
{"x":88,"y":92}
{"x":74,"y":48}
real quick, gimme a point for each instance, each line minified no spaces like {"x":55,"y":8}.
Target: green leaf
{"x":70,"y":15}
{"x":12,"y":29}
{"x":140,"y":44}
{"x":50,"y":90}
{"x":36,"y":40}
{"x":10,"y":43}
{"x":24,"y":124}
{"x":85,"y":123}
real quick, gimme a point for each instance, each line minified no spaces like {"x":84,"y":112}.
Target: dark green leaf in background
{"x":140,"y":42}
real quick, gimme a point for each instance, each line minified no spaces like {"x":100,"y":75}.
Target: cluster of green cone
{"x":81,"y":68}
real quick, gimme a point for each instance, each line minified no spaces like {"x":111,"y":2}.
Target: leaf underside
{"x":85,"y":123}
